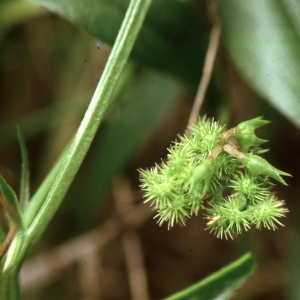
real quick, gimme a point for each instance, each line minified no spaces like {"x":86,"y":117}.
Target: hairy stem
{"x":130,"y":28}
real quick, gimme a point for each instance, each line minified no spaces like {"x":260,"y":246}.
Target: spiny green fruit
{"x":215,"y":167}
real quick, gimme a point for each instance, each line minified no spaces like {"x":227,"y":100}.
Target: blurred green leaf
{"x":172,"y":37}
{"x":263,"y":40}
{"x":222,"y":284}
{"x":12,"y":12}
{"x":43,"y":119}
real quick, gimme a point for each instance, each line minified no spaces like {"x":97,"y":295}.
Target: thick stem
{"x":9,"y":285}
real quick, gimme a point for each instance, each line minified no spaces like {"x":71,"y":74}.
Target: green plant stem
{"x":9,"y":288}
{"x":130,"y":28}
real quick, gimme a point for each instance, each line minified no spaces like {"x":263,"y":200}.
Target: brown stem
{"x":216,"y":151}
{"x":210,"y":58}
{"x":225,"y":135}
{"x":11,"y":234}
{"x":233,"y":151}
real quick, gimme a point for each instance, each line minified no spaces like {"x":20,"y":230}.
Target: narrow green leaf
{"x":24,"y":185}
{"x":10,"y":201}
{"x":263,"y":40}
{"x":130,"y":28}
{"x":222,"y":284}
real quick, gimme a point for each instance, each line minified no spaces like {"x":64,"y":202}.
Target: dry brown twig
{"x":47,"y":267}
{"x":135,"y":263}
{"x":90,"y":271}
{"x":209,"y":62}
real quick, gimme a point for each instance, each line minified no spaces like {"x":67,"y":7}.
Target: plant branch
{"x":135,"y":264}
{"x":45,"y":268}
{"x":209,"y":61}
{"x":137,"y":275}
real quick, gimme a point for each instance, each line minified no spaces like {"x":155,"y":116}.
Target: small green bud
{"x":257,"y":165}
{"x":244,"y":133}
{"x":251,"y":125}
{"x":202,"y":173}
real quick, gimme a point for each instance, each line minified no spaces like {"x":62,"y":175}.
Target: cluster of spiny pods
{"x":220,"y":171}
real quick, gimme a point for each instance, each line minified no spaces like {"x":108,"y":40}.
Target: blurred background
{"x":103,"y":242}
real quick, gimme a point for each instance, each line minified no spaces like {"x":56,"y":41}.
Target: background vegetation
{"x":50,"y":66}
